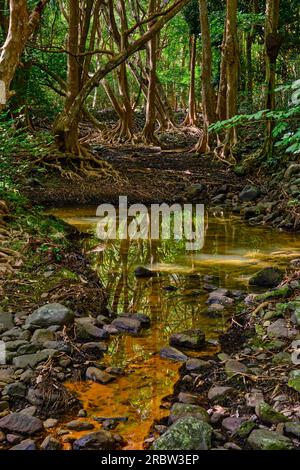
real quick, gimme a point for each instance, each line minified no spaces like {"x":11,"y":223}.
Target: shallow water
{"x":174,"y":300}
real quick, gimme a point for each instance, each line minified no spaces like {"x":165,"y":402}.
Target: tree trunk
{"x":191,"y":117}
{"x":66,"y":133}
{"x":149,"y":128}
{"x":273,"y":42}
{"x":21,"y":26}
{"x":222,"y":94}
{"x":232,"y":73}
{"x":208,"y":94}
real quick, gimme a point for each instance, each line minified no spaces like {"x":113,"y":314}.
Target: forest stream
{"x":175,"y":300}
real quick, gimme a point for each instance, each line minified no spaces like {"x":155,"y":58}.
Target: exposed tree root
{"x":79,"y":164}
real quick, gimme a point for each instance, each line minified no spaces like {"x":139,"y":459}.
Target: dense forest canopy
{"x":220,"y":63}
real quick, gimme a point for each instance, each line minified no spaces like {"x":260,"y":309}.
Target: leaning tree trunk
{"x":149,"y":128}
{"x":208,"y":94}
{"x":191,"y":117}
{"x":66,"y":131}
{"x":273,"y":42}
{"x":21,"y":26}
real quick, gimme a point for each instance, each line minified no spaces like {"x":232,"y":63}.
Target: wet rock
{"x":142,"y":272}
{"x":219,"y":393}
{"x":188,"y":433}
{"x":82,"y":414}
{"x":13,"y":333}
{"x":144,"y":319}
{"x":27,"y":444}
{"x":93,"y":347}
{"x":279,"y":329}
{"x":232,"y":424}
{"x":6,"y":321}
{"x":50,"y":423}
{"x":180,"y":410}
{"x":28,"y":349}
{"x":267,"y":277}
{"x":21,"y":423}
{"x":233,"y":367}
{"x":292,"y":428}
{"x":127,"y":325}
{"x":41,"y":336}
{"x":32,"y":360}
{"x":86,"y":331}
{"x":15,"y":390}
{"x":249,"y":193}
{"x":101,"y":440}
{"x":50,"y":443}
{"x":78,"y":425}
{"x":263,"y":439}
{"x":215,"y":308}
{"x":99,"y":376}
{"x":218,"y":298}
{"x":173,"y":354}
{"x":50,"y":314}
{"x":268,"y":415}
{"x":188,"y":398}
{"x":190,"y":339}
{"x":196,"y":365}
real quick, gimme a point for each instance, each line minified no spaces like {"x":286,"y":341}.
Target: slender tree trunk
{"x":191,"y":117}
{"x":208,"y":93}
{"x":149,"y":128}
{"x":222,"y":94}
{"x":66,"y":134}
{"x":249,"y":64}
{"x":273,"y":42}
{"x":232,"y":73}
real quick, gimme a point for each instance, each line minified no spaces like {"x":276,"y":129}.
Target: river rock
{"x":267,"y":277}
{"x":173,"y":354}
{"x":180,"y":410}
{"x":94,"y":347}
{"x":7,"y":375}
{"x":268,"y":415}
{"x":188,"y":433}
{"x":292,"y":428}
{"x":263,"y":439}
{"x":50,"y":423}
{"x":21,"y":423}
{"x":217,"y":297}
{"x":127,"y":325}
{"x":86,"y":331}
{"x":142,"y":272}
{"x":78,"y":425}
{"x":190,"y":339}
{"x":233,"y":367}
{"x":188,"y":398}
{"x":15,"y":390}
{"x":99,"y":376}
{"x":50,"y":314}
{"x":14,"y":345}
{"x":101,"y":440}
{"x":254,"y":398}
{"x":27,"y":444}
{"x":219,"y":393}
{"x":232,"y":424}
{"x":6,"y":321}
{"x":249,"y":193}
{"x":50,"y":443}
{"x":32,"y":360}
{"x":279,"y":329}
{"x":43,"y":335}
{"x":196,"y":365}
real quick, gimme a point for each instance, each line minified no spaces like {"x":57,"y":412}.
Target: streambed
{"x":175,"y":300}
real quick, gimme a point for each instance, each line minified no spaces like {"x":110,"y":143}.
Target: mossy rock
{"x":180,"y":410}
{"x":283,"y":291}
{"x":267,"y":277}
{"x":268,"y":415}
{"x":187,"y":433}
{"x":263,"y":439}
